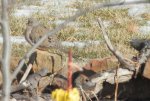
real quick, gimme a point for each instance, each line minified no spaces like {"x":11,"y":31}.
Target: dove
{"x":35,"y":30}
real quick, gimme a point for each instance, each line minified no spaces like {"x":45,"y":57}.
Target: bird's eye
{"x":40,"y":37}
{"x":86,"y":80}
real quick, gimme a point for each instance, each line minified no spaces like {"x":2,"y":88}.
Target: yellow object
{"x":62,"y":95}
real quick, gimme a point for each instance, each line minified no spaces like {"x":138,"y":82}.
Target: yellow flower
{"x":62,"y":95}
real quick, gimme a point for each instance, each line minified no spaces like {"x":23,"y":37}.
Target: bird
{"x":143,"y":47}
{"x":35,"y":30}
{"x":139,"y":44}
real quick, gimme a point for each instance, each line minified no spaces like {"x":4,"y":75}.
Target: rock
{"x":146,"y":71}
{"x":49,"y":60}
{"x":99,"y":65}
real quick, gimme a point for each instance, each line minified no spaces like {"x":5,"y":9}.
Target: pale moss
{"x":67,"y":34}
{"x":46,"y":19}
{"x":19,"y":50}
{"x":17,"y":25}
{"x":146,"y":16}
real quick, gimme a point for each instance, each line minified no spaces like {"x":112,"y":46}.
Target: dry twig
{"x":116,"y":82}
{"x":85,"y":96}
{"x":54,"y":74}
{"x":118,"y":55}
{"x":6,"y":51}
{"x":95,"y":95}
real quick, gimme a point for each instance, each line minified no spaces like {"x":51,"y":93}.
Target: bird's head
{"x":138,"y":44}
{"x":31,"y":21}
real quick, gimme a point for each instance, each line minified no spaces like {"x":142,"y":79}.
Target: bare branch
{"x":6,"y":51}
{"x":21,"y":86}
{"x":118,"y":55}
{"x":63,"y":25}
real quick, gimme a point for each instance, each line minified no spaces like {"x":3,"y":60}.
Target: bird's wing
{"x":27,"y":33}
{"x":37,"y":32}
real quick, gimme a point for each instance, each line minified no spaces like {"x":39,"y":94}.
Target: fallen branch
{"x":30,"y":65}
{"x":19,"y":87}
{"x":73,"y":18}
{"x":31,"y":82}
{"x":118,"y":55}
{"x":26,"y":73}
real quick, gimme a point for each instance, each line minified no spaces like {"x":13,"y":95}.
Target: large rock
{"x":48,"y":60}
{"x":44,"y":60}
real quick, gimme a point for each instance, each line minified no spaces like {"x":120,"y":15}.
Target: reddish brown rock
{"x":98,"y":65}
